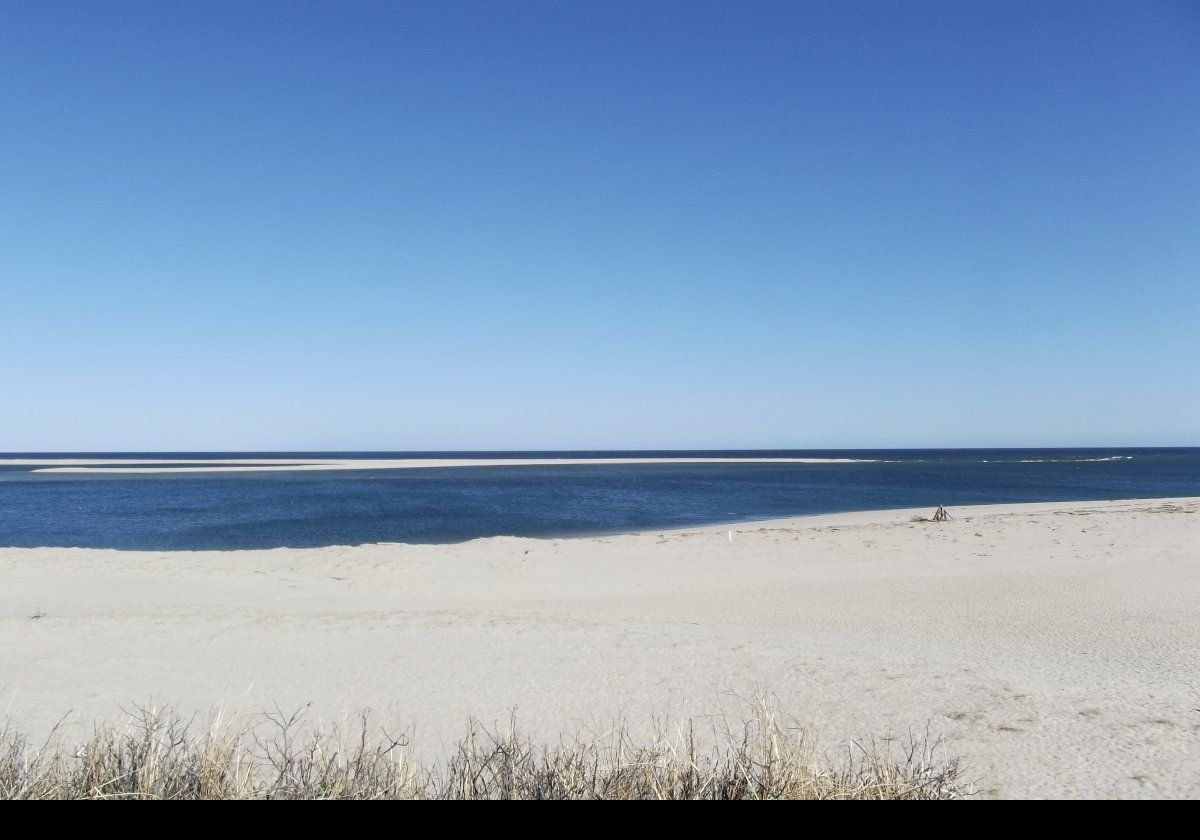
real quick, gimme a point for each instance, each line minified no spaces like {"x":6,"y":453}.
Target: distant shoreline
{"x":132,"y":465}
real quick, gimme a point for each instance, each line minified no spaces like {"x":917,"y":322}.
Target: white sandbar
{"x":130,"y":465}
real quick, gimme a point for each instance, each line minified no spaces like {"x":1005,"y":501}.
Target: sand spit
{"x":84,"y":465}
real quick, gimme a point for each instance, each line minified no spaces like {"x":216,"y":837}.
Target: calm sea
{"x":263,"y":510}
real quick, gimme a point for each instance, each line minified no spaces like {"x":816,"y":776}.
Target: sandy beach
{"x":1055,"y":647}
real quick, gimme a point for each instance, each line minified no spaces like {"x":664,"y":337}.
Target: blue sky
{"x":598,"y":225}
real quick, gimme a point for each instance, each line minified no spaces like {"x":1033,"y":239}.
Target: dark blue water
{"x":262,"y":510}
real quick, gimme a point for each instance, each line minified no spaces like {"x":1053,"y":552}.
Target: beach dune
{"x":1053,"y":646}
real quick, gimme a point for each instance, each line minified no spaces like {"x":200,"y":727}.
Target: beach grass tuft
{"x":158,"y":754}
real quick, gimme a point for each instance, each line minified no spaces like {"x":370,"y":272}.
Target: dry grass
{"x":156,"y":755}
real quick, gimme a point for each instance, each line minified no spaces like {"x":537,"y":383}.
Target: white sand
{"x":183,"y":465}
{"x":1056,"y":647}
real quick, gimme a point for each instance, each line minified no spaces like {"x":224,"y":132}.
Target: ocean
{"x":239,"y":510}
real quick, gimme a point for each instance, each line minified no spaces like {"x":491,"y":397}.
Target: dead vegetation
{"x":155,"y":755}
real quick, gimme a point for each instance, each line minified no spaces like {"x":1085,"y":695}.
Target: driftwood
{"x":940,"y":515}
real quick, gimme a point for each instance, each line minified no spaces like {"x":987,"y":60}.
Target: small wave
{"x":1073,"y":460}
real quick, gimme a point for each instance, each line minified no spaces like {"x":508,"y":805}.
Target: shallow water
{"x":264,"y":510}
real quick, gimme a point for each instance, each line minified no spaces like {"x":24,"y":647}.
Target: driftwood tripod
{"x":940,"y":515}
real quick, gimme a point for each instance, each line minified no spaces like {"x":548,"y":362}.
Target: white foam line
{"x":295,"y":465}
{"x":1074,"y":460}
{"x":83,"y":462}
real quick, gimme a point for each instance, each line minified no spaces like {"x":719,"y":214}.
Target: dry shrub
{"x":156,"y":756}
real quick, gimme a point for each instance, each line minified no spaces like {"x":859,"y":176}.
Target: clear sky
{"x":251,"y":225}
